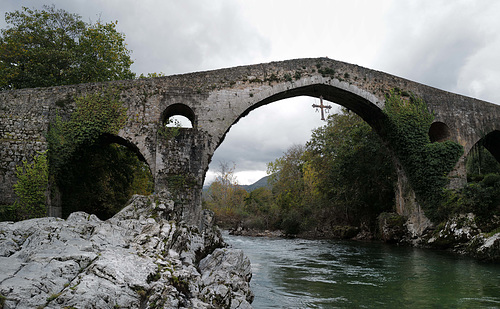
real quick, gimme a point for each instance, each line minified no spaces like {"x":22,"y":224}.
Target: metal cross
{"x":322,"y":107}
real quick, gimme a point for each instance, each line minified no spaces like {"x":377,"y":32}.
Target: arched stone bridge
{"x":215,"y":100}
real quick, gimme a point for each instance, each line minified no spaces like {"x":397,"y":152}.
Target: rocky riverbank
{"x":143,"y":257}
{"x":459,"y":234}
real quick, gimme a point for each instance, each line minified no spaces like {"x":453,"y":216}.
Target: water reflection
{"x":338,"y":274}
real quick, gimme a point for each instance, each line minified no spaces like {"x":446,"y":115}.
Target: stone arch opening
{"x":439,"y":132}
{"x":102,"y":176}
{"x":367,"y":110}
{"x":179,"y":115}
{"x":484,"y":157}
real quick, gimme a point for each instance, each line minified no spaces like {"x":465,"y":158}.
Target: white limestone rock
{"x":140,"y":258}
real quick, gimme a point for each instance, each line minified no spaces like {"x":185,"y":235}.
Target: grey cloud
{"x":173,"y":36}
{"x":432,"y":44}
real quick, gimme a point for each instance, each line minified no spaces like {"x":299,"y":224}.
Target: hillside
{"x":249,"y":188}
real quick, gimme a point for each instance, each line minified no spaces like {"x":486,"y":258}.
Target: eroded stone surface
{"x":142,"y":257}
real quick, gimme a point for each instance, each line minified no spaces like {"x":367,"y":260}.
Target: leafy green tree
{"x":261,"y":209}
{"x":353,"y":173}
{"x":288,"y":187}
{"x":50,"y":47}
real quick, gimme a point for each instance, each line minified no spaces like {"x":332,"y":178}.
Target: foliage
{"x":225,"y":197}
{"x":50,"y":47}
{"x":481,"y":198}
{"x":152,"y":75}
{"x":261,"y":209}
{"x":170,"y":130}
{"x":480,"y":161}
{"x":92,"y":173}
{"x":95,"y":115}
{"x":7,"y":213}
{"x":354,"y":176}
{"x":290,"y":191}
{"x":31,"y":188}
{"x":426,"y":164}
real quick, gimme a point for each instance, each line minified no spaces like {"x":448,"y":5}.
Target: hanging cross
{"x":322,"y":107}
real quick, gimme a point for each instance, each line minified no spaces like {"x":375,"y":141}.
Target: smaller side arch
{"x":439,"y":132}
{"x":179,"y":109}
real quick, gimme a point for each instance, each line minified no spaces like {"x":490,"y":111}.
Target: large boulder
{"x":143,"y":257}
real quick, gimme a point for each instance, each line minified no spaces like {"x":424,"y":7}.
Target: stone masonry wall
{"x":24,"y":119}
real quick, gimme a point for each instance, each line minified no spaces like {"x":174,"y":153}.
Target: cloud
{"x":186,"y":36}
{"x":173,"y":36}
{"x":449,"y":45}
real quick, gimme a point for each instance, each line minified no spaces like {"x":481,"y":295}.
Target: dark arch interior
{"x":439,"y":132}
{"x":492,"y":143}
{"x":100,"y":177}
{"x":114,"y":139}
{"x":178,"y":109}
{"x":484,"y":157}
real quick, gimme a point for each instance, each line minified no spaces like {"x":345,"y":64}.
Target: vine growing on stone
{"x":95,"y":114}
{"x":426,"y":164}
{"x":31,"y":187}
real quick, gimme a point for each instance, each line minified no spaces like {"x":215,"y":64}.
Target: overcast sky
{"x":452,"y":45}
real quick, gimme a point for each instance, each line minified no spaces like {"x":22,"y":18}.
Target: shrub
{"x":31,"y":188}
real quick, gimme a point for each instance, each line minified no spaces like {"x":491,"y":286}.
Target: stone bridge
{"x":215,"y":100}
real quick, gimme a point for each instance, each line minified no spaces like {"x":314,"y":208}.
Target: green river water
{"x":298,"y":273}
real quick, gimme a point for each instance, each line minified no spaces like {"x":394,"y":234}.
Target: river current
{"x":298,"y":273}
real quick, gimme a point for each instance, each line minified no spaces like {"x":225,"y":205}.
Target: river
{"x":298,"y":273}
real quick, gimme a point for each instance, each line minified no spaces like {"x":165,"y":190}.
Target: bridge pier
{"x":458,"y":176}
{"x":181,"y":163}
{"x":407,"y":205}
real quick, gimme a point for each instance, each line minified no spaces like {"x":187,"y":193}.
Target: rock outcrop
{"x":462,"y":235}
{"x":143,"y":257}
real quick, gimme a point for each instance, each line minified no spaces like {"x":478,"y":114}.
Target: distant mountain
{"x":258,"y":184}
{"x":249,"y":188}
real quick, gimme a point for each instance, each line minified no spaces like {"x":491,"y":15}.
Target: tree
{"x":50,"y":47}
{"x":226,"y":197}
{"x":288,"y":187}
{"x":353,"y":169}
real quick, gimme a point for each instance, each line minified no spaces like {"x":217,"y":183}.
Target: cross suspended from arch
{"x":322,"y":106}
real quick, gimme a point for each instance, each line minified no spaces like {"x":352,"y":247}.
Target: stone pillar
{"x":458,"y":176}
{"x":180,"y":165}
{"x":54,"y":202}
{"x":407,"y":205}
